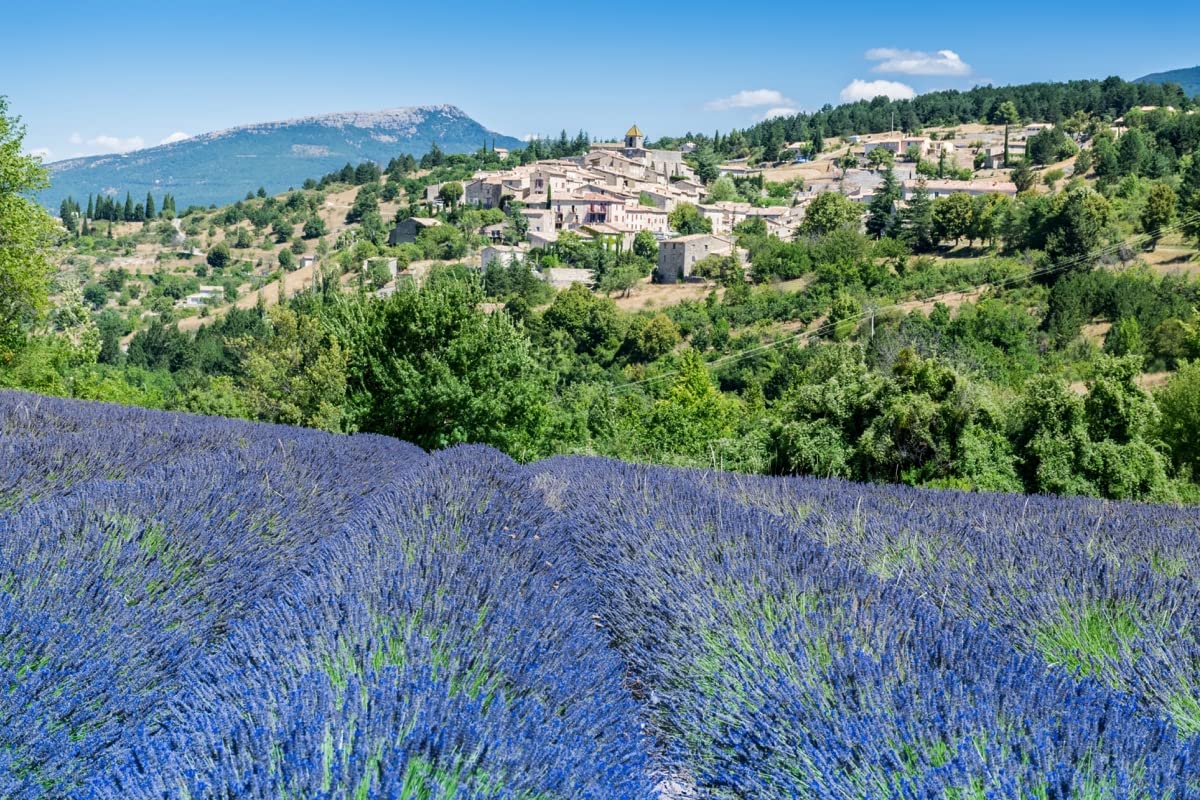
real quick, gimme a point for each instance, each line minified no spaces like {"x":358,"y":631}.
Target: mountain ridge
{"x":274,"y":154}
{"x":1187,"y":77}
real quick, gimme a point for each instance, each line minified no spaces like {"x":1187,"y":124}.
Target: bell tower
{"x":634,"y":139}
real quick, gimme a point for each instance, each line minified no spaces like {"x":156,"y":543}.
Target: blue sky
{"x":91,"y":78}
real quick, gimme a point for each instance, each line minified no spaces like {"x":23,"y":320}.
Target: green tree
{"x":830,"y":211}
{"x":26,"y":232}
{"x":881,"y":211}
{"x":451,"y":193}
{"x":1189,"y":199}
{"x":881,"y":158}
{"x":218,"y":256}
{"x":1158,"y":211}
{"x":722,"y":190}
{"x":1023,"y":177}
{"x":150,"y":211}
{"x":314,"y":228}
{"x":645,"y":245}
{"x":1179,"y":423}
{"x":287,"y":260}
{"x":688,"y":424}
{"x":686,"y":219}
{"x":916,"y":220}
{"x":1006,"y":114}
{"x":297,"y":374}
{"x":431,"y":368}
{"x":1078,"y":228}
{"x":1048,"y":146}
{"x":1124,"y":338}
{"x":953,"y":217}
{"x":1133,"y":154}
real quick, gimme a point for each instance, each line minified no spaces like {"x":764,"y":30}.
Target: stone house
{"x":676,"y":257}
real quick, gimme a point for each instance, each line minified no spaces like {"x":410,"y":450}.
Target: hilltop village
{"x":619,"y":189}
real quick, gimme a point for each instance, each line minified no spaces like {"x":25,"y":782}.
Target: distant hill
{"x":222,"y":166}
{"x":1188,"y":78}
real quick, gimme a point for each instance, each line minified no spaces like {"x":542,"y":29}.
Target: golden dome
{"x":634,"y":131}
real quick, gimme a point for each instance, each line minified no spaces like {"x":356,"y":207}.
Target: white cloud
{"x":177,"y":136}
{"x":41,"y":152}
{"x":116,"y":144}
{"x":75,"y":138}
{"x":780,"y":111}
{"x":859,"y":89}
{"x":749,"y":98}
{"x":917,"y":62}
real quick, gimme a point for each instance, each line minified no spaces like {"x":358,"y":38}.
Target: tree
{"x":645,"y":245}
{"x":297,"y":374}
{"x":218,"y":256}
{"x":96,"y":294}
{"x":881,"y":158}
{"x":365,"y":201}
{"x":622,"y":276}
{"x":818,"y":140}
{"x":1179,"y":425}
{"x":771,"y":144}
{"x":1023,"y":177}
{"x":722,"y":190}
{"x":1158,"y":211}
{"x":953,"y":217}
{"x":881,"y":211}
{"x":1048,"y":146}
{"x":433,"y":369}
{"x":916,"y":220}
{"x":1077,"y":228}
{"x":26,"y":232}
{"x":127,"y":214}
{"x":1124,"y":338}
{"x":1006,"y":113}
{"x":314,"y":228}
{"x":1189,"y":199}
{"x":1133,"y":155}
{"x":847,"y":162}
{"x":450,"y":193}
{"x":150,"y":212}
{"x":706,"y":164}
{"x":657,"y":337}
{"x":287,"y":260}
{"x":686,"y":219}
{"x":830,"y":211}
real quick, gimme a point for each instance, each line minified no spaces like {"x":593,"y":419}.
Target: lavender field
{"x":200,"y":608}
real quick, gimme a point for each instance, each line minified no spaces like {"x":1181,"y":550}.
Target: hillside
{"x":222,"y":166}
{"x":200,"y":607}
{"x":1188,"y":78}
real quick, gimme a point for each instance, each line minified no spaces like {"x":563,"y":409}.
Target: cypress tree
{"x":91,"y":209}
{"x":127,"y":214}
{"x":149,"y":206}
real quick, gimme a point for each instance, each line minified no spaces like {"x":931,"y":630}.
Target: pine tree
{"x":91,"y":210}
{"x":916,"y":220}
{"x":881,"y":211}
{"x":150,"y":214}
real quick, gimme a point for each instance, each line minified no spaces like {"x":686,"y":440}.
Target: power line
{"x":1070,"y":263}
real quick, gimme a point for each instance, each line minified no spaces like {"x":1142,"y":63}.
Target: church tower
{"x":634,"y":140}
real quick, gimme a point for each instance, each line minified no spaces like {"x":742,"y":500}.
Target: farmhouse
{"x":676,"y":257}
{"x":502,"y":255}
{"x":406,"y":230}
